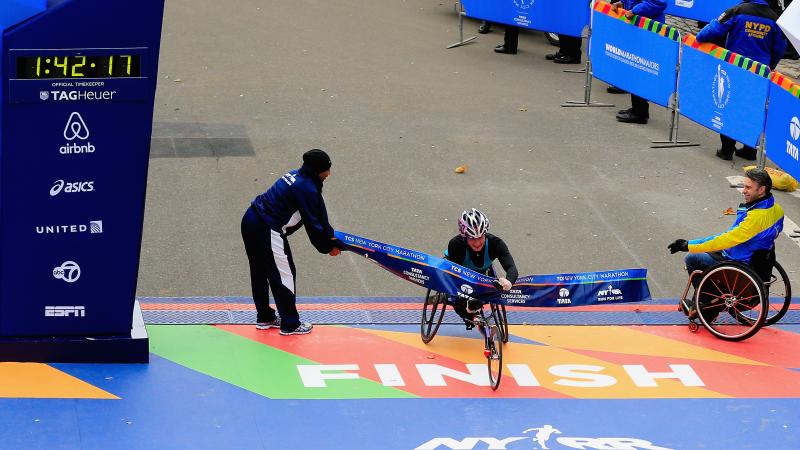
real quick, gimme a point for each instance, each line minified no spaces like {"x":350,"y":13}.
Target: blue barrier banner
{"x":702,"y":10}
{"x":783,"y":130}
{"x":721,"y":95}
{"x":638,"y":55}
{"x":567,"y":17}
{"x":558,"y":290}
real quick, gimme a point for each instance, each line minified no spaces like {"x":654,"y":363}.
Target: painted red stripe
{"x":341,"y":345}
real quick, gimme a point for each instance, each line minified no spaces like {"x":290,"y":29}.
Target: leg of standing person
{"x":747,"y":152}
{"x":638,"y":113}
{"x":510,"y":41}
{"x":281,"y":274}
{"x":255,"y":235}
{"x":570,"y":50}
{"x":728,"y":148}
{"x":485,"y":27}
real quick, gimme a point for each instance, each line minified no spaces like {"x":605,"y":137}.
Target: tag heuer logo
{"x":44,"y":95}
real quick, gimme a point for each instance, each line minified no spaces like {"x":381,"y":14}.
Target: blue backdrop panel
{"x":78,"y":86}
{"x":783,"y":130}
{"x":703,"y":10}
{"x":631,"y":58}
{"x":722,"y":97}
{"x":567,"y":17}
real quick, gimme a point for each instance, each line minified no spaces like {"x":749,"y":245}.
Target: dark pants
{"x":511,"y":38}
{"x":640,"y":106}
{"x":271,"y":264}
{"x":729,"y":146}
{"x":570,"y":46}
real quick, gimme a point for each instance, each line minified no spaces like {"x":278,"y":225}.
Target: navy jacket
{"x":296,"y":200}
{"x":652,"y":9}
{"x":751,"y":30}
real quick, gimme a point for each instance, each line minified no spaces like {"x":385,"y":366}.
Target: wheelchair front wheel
{"x":779,"y":292}
{"x":730,"y":301}
{"x":494,"y":354}
{"x":432,"y":314}
{"x":499,"y":313}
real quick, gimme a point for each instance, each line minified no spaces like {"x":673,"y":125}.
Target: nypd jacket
{"x":751,"y":31}
{"x":756,"y":227}
{"x":653,"y":9}
{"x":296,"y":200}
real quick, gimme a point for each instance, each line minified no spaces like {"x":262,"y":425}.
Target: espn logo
{"x":64,"y":311}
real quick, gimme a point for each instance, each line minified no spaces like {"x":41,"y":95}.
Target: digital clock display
{"x":78,"y":66}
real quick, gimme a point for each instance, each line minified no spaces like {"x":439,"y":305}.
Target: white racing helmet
{"x":473,"y":224}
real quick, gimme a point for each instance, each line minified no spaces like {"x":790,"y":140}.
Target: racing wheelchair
{"x":733,"y":301}
{"x":492,"y":324}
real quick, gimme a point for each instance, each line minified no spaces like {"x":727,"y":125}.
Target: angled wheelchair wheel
{"x":499,"y":313}
{"x":779,"y":292}
{"x":730,"y":301}
{"x":432,"y":314}
{"x":494,"y":353}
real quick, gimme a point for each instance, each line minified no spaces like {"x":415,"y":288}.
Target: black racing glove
{"x":680,"y":245}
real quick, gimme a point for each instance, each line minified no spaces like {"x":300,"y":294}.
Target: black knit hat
{"x":317,"y":160}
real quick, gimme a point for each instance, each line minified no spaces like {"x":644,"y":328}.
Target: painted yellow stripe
{"x":540,"y":358}
{"x":623,"y":340}
{"x":34,"y":380}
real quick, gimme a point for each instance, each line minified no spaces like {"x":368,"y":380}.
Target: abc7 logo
{"x":69,"y":271}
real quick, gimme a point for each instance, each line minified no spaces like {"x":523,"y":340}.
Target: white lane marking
{"x":788,"y":224}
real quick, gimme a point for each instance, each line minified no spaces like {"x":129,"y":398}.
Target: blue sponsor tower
{"x":76,"y":111}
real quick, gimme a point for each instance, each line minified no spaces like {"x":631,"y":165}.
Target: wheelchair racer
{"x":475,"y":249}
{"x":759,"y":221}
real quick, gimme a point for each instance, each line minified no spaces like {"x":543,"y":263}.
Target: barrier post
{"x":461,"y":40}
{"x":587,"y":85}
{"x":673,"y":141}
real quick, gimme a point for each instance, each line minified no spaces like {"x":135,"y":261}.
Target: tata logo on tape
{"x":523,"y":4}
{"x":69,"y":271}
{"x":563,"y":295}
{"x":76,"y":128}
{"x":467,"y":289}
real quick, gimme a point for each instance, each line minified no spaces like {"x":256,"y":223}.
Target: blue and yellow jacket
{"x":756,"y":227}
{"x":652,"y":9}
{"x":750,"y":29}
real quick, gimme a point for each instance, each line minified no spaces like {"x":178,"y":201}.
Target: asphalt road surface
{"x":246,"y":87}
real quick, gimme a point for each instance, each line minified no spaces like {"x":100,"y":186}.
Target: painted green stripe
{"x":253,"y":366}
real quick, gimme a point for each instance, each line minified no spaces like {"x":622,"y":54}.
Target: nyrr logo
{"x":523,"y":4}
{"x":721,"y":88}
{"x":611,"y":293}
{"x":794,"y":132}
{"x":64,"y":311}
{"x":76,"y":129}
{"x":542,"y":439}
{"x":69,"y":271}
{"x":71,"y":188}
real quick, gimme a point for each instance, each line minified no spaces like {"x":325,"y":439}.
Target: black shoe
{"x":746,"y":153}
{"x":485,"y":28}
{"x":614,"y":90}
{"x":565,"y":59}
{"x":629,"y":117}
{"x":725,"y":156}
{"x":506,"y":50}
{"x":552,"y":56}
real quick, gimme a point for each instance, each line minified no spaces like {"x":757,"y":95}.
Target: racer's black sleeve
{"x":499,"y":250}
{"x":456,"y":249}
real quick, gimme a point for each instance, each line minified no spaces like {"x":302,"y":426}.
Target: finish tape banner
{"x":639,"y":54}
{"x":702,"y":10}
{"x":783,"y":124}
{"x":723,"y":91}
{"x":567,"y":17}
{"x":558,"y":290}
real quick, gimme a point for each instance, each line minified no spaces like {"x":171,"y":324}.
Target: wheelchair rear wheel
{"x":432,"y":314}
{"x":730,"y":301}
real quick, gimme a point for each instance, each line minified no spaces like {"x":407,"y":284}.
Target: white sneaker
{"x":267,"y":325}
{"x":303,"y":328}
